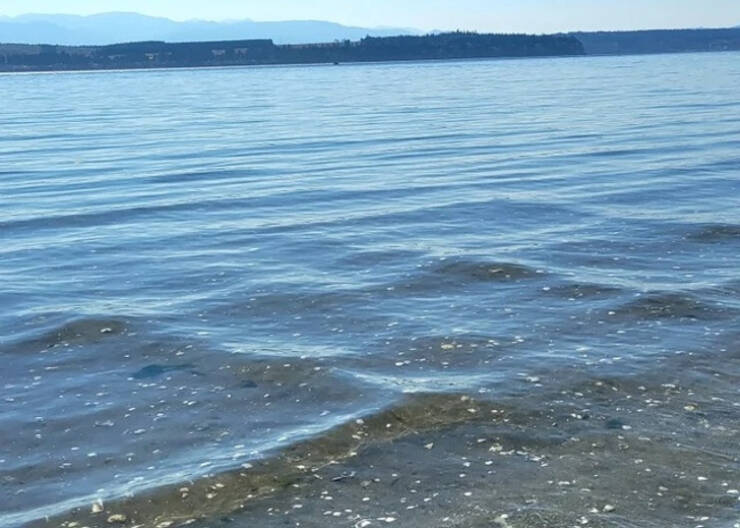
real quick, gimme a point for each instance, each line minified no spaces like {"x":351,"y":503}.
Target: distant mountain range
{"x":111,"y":28}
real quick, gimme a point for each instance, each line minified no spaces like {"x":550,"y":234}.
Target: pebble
{"x":117,"y":518}
{"x":609,"y":508}
{"x":502,"y":520}
{"x":97,"y":506}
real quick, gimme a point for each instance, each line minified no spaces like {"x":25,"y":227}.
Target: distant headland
{"x":456,"y":45}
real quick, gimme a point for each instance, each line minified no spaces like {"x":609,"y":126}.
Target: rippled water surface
{"x":208,"y":272}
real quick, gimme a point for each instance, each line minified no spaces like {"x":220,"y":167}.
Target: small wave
{"x":77,"y":332}
{"x":116,"y":215}
{"x":435,"y":362}
{"x":715,"y":233}
{"x":667,"y":305}
{"x":290,"y":301}
{"x":484,"y":271}
{"x":461,"y":273}
{"x":366,"y":259}
{"x":582,"y":291}
{"x":729,"y":289}
{"x":197,"y":176}
{"x":210,"y":176}
{"x":420,"y":384}
{"x":155,"y":371}
{"x":611,"y":153}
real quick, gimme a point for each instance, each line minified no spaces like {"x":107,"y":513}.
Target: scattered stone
{"x":502,"y":520}
{"x":97,"y":506}
{"x":609,"y":508}
{"x":117,"y":518}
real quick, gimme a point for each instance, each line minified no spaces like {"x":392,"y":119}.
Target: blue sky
{"x":482,"y":15}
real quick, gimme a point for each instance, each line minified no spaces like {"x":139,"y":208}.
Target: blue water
{"x":201,"y":267}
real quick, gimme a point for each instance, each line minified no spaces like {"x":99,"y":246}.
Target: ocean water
{"x":475,"y":293}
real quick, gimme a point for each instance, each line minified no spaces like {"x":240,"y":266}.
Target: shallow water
{"x":209,"y":275}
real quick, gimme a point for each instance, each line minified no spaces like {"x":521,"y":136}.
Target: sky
{"x":534,"y":16}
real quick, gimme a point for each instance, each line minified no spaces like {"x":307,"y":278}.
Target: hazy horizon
{"x":526,"y":16}
{"x":379,"y":27}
